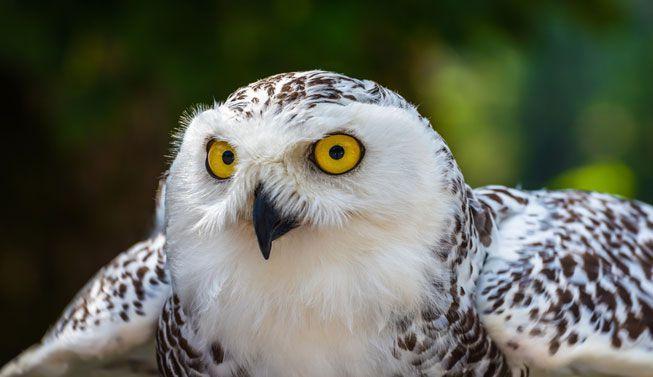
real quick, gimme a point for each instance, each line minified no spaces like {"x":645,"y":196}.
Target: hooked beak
{"x":268,"y":223}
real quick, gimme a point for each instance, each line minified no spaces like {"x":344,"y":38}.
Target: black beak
{"x":268,"y":223}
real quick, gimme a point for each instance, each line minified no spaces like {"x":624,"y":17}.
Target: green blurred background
{"x":533,"y":94}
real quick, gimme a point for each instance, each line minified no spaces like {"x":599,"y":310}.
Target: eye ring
{"x":337,"y":153}
{"x":221,"y":159}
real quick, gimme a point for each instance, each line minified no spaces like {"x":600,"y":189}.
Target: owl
{"x":315,"y":224}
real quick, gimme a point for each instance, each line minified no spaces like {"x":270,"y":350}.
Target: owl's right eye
{"x":221,"y":159}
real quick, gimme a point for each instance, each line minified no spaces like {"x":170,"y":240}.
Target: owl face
{"x":303,"y":159}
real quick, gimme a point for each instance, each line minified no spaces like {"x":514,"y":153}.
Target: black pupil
{"x":337,"y":152}
{"x":228,"y":157}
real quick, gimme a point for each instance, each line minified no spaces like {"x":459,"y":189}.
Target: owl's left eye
{"x":337,"y":154}
{"x":220,"y":159}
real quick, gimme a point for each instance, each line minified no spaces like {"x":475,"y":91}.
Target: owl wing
{"x":108,"y":327}
{"x":568,"y":286}
{"x":180,"y":351}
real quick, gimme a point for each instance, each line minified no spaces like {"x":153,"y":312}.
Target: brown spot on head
{"x":217,"y":353}
{"x":410,"y":341}
{"x":568,"y":265}
{"x":591,"y":265}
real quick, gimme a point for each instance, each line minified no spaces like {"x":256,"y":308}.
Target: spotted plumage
{"x":293,"y":94}
{"x":571,"y":280}
{"x":394,"y":268}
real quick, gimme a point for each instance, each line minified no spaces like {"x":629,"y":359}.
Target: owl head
{"x":304,"y":169}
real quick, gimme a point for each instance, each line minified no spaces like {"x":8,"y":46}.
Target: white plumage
{"x":395,"y":267}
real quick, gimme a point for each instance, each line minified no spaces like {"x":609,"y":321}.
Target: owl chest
{"x":289,"y":339}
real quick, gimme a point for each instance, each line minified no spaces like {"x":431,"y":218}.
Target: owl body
{"x":316,"y":225}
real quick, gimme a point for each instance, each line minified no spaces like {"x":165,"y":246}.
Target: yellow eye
{"x":337,"y":154}
{"x":220,"y":159}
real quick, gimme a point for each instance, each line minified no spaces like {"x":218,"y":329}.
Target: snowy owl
{"x":316,"y":225}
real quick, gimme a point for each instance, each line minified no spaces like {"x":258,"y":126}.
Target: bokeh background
{"x":533,"y":94}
